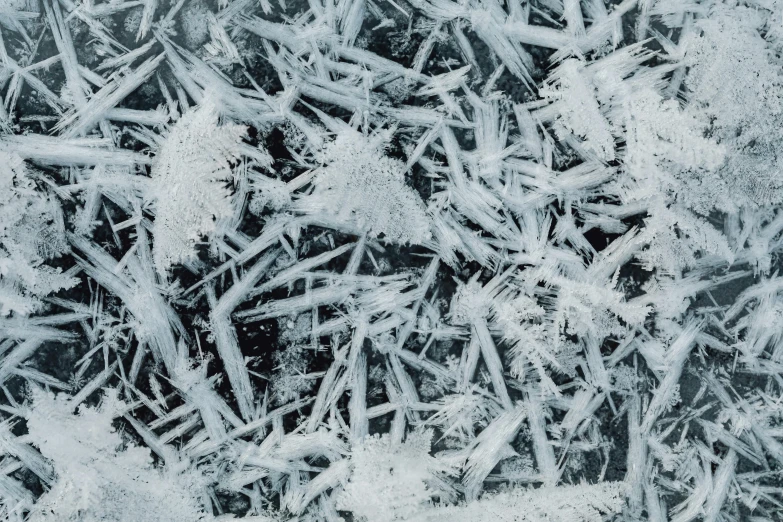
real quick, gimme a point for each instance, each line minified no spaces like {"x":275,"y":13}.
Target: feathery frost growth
{"x":362,"y":186}
{"x":31,"y":232}
{"x":189,"y":181}
{"x":393,"y":481}
{"x":98,"y":478}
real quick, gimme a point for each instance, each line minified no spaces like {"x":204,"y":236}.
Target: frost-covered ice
{"x":391,"y":260}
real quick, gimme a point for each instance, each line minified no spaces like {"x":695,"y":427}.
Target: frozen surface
{"x":391,"y":260}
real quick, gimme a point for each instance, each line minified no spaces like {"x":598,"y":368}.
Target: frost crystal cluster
{"x":391,"y":260}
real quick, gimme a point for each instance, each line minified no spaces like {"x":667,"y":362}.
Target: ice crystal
{"x":190,"y":183}
{"x":99,"y":475}
{"x":361,"y":184}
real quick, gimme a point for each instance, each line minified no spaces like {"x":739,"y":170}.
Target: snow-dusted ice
{"x":391,"y":260}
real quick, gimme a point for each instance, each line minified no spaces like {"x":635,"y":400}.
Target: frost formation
{"x":412,"y":260}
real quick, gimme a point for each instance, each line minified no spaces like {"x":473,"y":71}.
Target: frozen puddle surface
{"x":391,"y":260}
